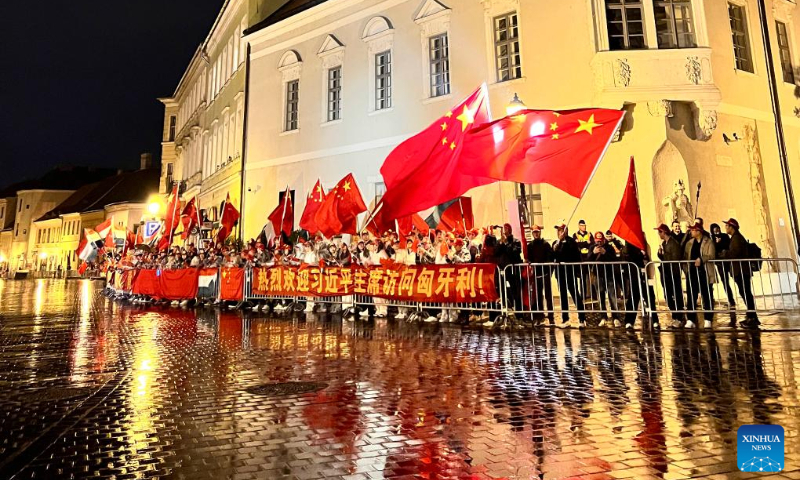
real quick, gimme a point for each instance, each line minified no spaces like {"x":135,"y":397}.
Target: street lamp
{"x":516,"y":105}
{"x":153,"y":208}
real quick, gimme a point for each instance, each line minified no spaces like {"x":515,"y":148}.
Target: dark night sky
{"x":79,"y":80}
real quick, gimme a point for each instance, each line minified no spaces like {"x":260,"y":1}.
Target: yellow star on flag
{"x":444,"y":141}
{"x":556,"y":114}
{"x":453,"y":146}
{"x":444,"y":126}
{"x":467,"y":117}
{"x":448,"y":114}
{"x":587,"y":125}
{"x":555,"y":136}
{"x":554,"y":126}
{"x":346,"y":186}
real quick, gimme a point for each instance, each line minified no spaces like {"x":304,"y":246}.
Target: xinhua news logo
{"x":760,"y":448}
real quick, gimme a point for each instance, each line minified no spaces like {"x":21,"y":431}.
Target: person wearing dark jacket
{"x":565,"y":251}
{"x":607,"y":277}
{"x":540,"y":253}
{"x":510,"y":253}
{"x":741,"y":270}
{"x":638,"y":288}
{"x":670,"y":251}
{"x":722,"y":242}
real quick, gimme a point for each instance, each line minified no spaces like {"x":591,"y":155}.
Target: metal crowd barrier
{"x":725,"y":286}
{"x":590,"y":291}
{"x":206,"y":294}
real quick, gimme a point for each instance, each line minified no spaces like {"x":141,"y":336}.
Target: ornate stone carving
{"x":677,"y":205}
{"x":694,"y":70}
{"x":660,"y":108}
{"x":622,"y":72}
{"x":433,"y":17}
{"x":705,"y":122}
{"x":759,"y":193}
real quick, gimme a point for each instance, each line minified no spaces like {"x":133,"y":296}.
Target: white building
{"x":335,"y":85}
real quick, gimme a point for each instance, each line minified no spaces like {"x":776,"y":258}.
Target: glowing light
{"x":2,"y":259}
{"x":498,"y":134}
{"x":154,"y":207}
{"x":43,"y":255}
{"x":515,"y":106}
{"x":537,"y":129}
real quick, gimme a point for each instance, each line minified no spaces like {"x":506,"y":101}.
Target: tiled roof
{"x":60,"y":178}
{"x":134,"y":187}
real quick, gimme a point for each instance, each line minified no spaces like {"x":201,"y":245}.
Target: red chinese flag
{"x":315,"y":198}
{"x":627,"y":224}
{"x":172,"y":217}
{"x":562,"y":149}
{"x":423,"y":171}
{"x":229,"y":218}
{"x":282,"y":217}
{"x":377,"y":223}
{"x":232,"y":284}
{"x":104,"y":228}
{"x":337,"y":213}
{"x":458,"y":217}
{"x":190,"y":217}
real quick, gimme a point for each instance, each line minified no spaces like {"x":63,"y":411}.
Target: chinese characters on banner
{"x":472,"y":283}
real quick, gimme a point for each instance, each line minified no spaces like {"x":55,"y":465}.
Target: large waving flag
{"x":104,"y":228}
{"x":423,"y":171}
{"x":315,"y":198}
{"x":228,"y":220}
{"x":562,"y":149}
{"x":172,"y":218}
{"x":190,"y":218}
{"x":282,"y":218}
{"x":627,"y":224}
{"x":338,"y":212}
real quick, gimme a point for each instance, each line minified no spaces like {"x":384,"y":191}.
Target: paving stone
{"x":95,"y":389}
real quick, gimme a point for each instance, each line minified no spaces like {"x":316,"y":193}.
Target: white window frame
{"x":331,"y":54}
{"x":378,"y":34}
{"x":493,"y":9}
{"x":290,"y":66}
{"x":745,"y":5}
{"x":598,"y":12}
{"x":433,"y":18}
{"x":783,"y":13}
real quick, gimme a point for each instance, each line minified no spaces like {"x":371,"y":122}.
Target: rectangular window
{"x":334,"y":93}
{"x":292,"y":101}
{"x":282,"y":195}
{"x":674,"y":24}
{"x":172,"y":121}
{"x":380,"y":190}
{"x":440,"y":65}
{"x":20,"y":207}
{"x":741,"y":44}
{"x":506,"y":47}
{"x":625,"y":21}
{"x":785,"y":53}
{"x":383,"y":80}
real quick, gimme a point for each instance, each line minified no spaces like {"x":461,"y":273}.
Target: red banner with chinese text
{"x":472,"y":282}
{"x":231,"y":285}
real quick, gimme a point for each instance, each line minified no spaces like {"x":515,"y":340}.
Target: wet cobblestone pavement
{"x":93,"y":389}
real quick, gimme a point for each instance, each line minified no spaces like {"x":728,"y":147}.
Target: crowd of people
{"x":589,"y":268}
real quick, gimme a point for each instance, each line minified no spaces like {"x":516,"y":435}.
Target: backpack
{"x":754,"y":254}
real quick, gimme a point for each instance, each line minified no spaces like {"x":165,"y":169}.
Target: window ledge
{"x":381,"y":111}
{"x":289,"y":132}
{"x":745,"y":73}
{"x":508,"y":82}
{"x":331,"y":122}
{"x":430,"y":100}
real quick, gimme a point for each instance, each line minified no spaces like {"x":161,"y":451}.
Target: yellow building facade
{"x":203,"y":119}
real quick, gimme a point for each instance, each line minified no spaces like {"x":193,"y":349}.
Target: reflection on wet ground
{"x":93,"y":389}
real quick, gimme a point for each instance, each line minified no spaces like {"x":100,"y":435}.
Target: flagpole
{"x":375,"y":211}
{"x":597,"y":165}
{"x":283,"y":215}
{"x":463,"y":220}
{"x":199,"y":228}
